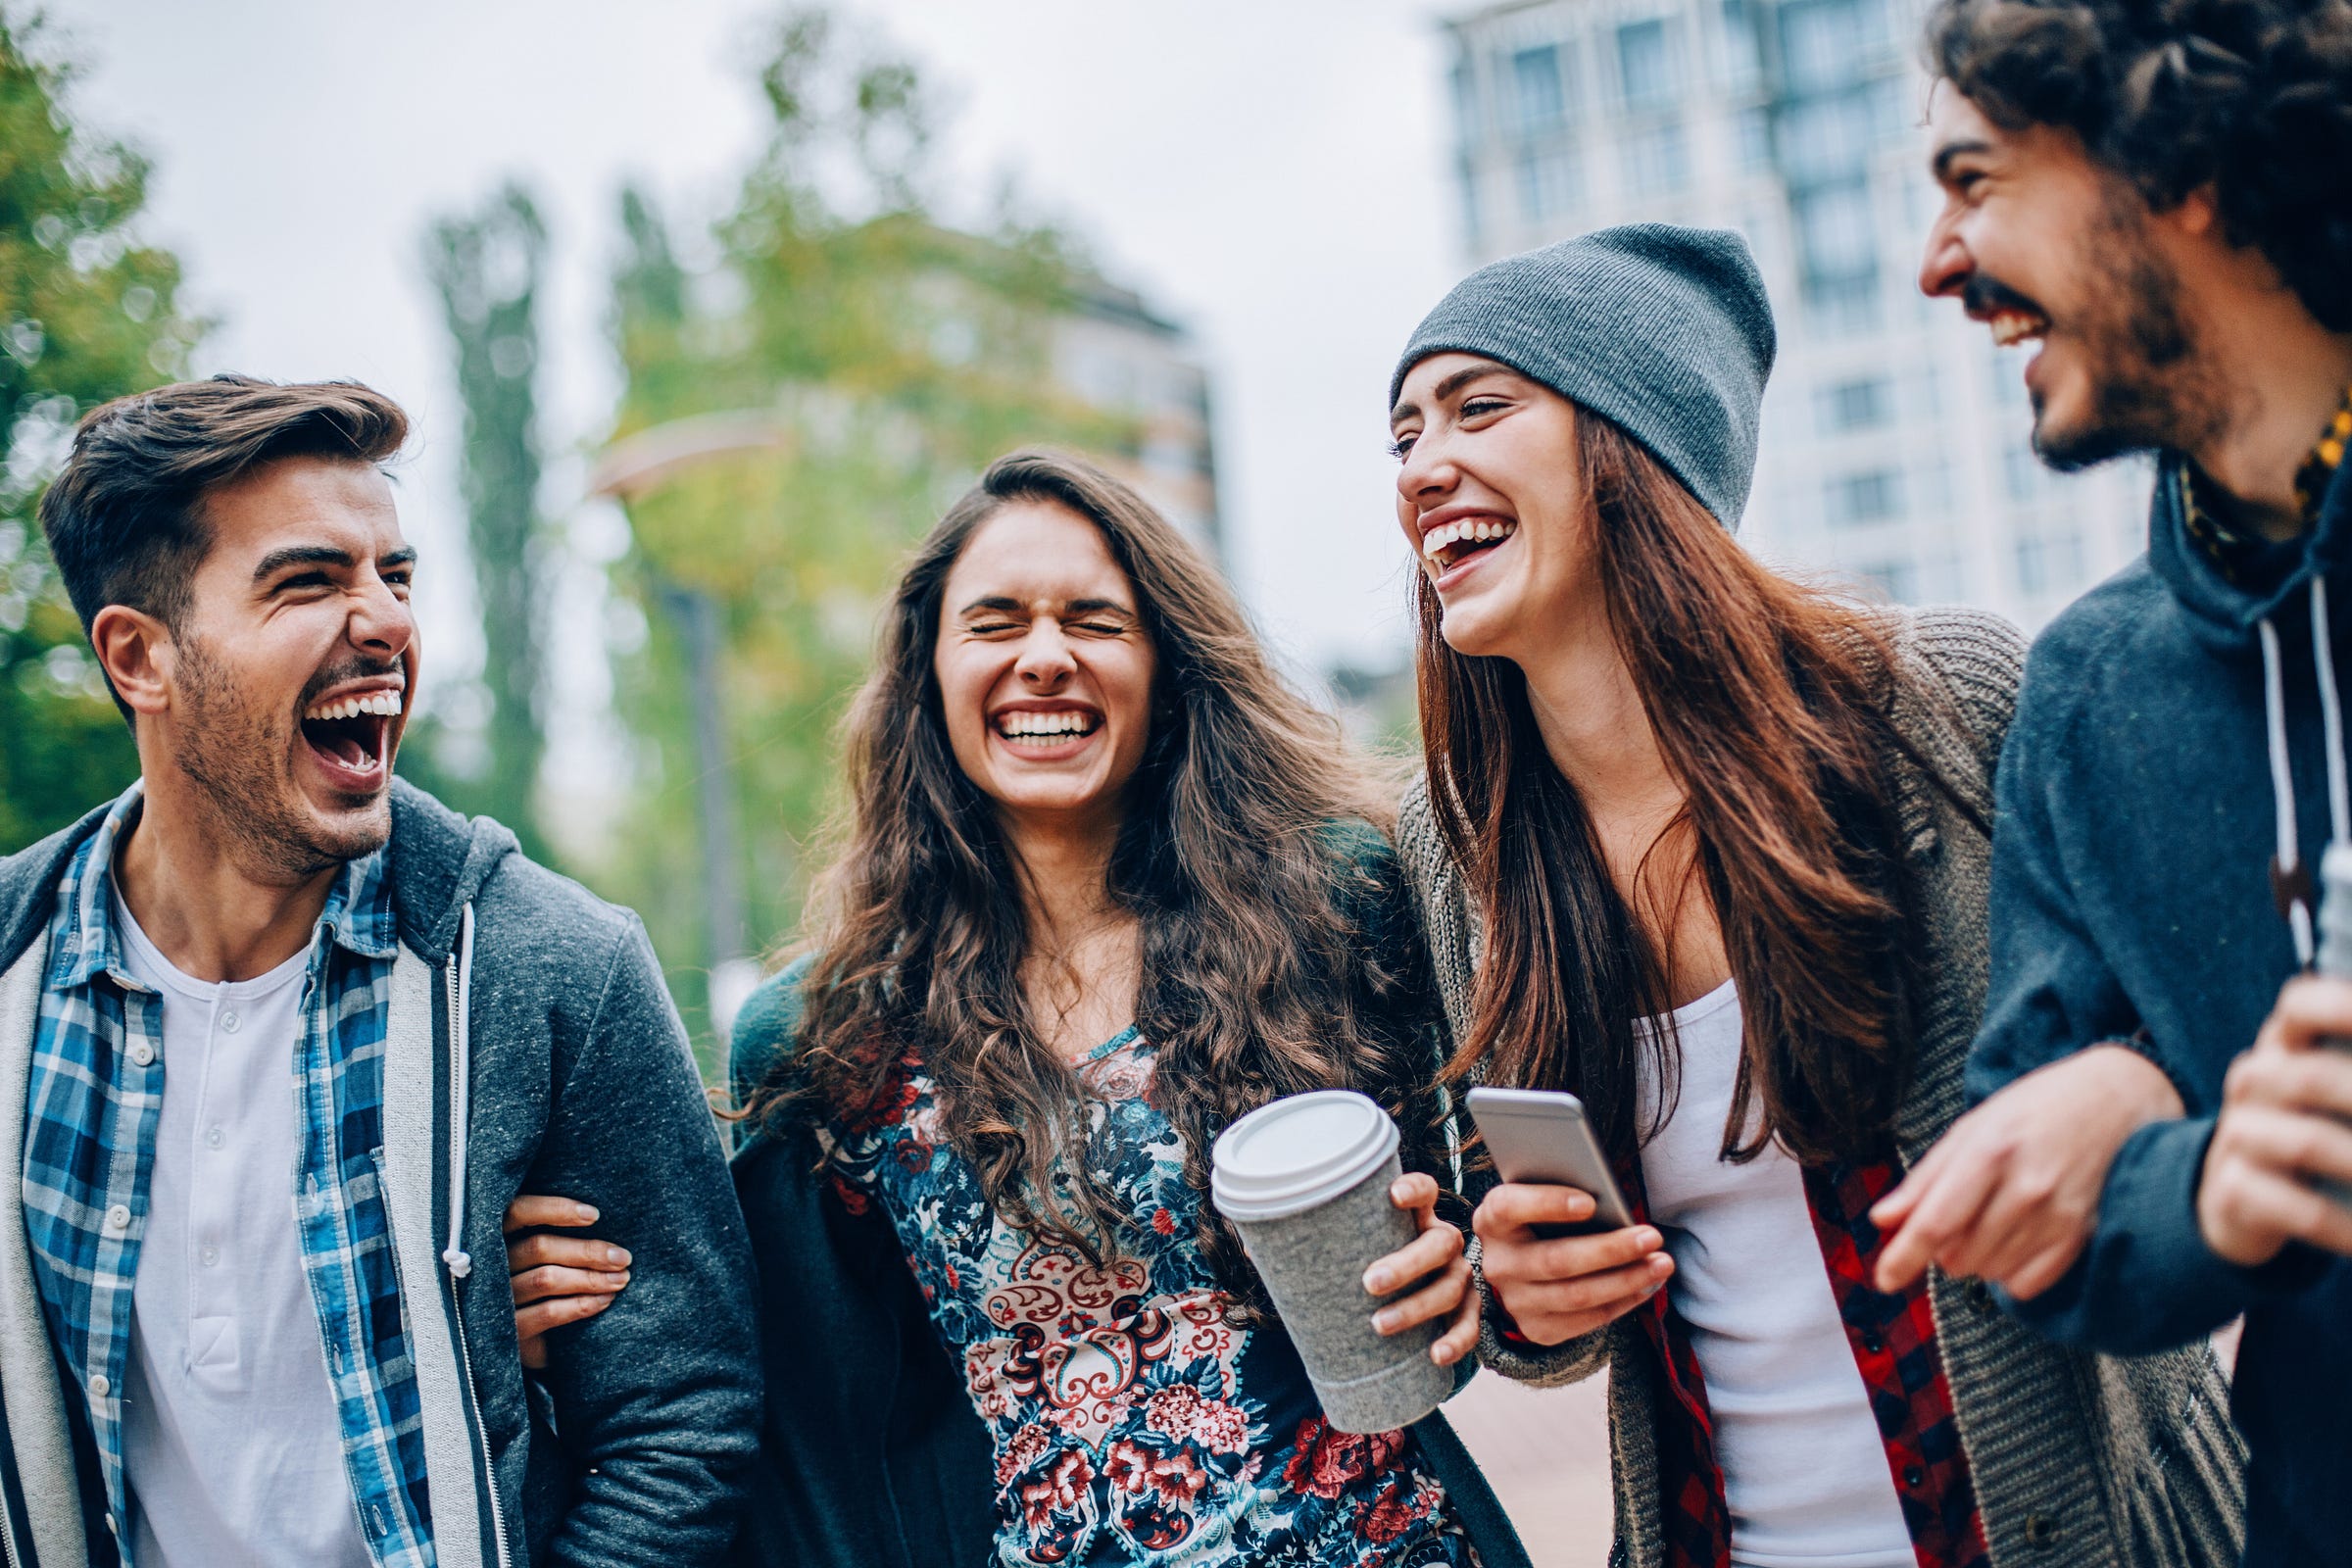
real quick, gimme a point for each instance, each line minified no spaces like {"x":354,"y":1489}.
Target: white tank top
{"x":1804,"y":1470}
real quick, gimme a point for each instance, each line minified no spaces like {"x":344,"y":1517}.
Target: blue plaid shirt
{"x":96,"y":1095}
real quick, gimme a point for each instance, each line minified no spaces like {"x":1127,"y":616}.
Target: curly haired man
{"x":2159,"y":194}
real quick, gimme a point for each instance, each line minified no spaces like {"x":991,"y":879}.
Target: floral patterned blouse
{"x":1131,"y":1424}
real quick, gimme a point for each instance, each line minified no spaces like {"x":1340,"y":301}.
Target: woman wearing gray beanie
{"x":1709,"y":847}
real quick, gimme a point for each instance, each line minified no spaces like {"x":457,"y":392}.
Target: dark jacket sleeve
{"x":2146,"y":1281}
{"x":657,"y":1400}
{"x":871,"y":1456}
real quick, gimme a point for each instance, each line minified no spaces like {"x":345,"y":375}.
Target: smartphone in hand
{"x":1540,"y":1137}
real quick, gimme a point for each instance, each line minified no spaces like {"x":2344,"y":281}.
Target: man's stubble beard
{"x":245,"y":774}
{"x":2150,"y":388}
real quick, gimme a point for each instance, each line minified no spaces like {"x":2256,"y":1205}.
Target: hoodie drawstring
{"x":2287,"y":869}
{"x":461,"y":1094}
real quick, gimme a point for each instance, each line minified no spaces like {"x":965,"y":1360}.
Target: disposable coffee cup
{"x":1306,"y":1181}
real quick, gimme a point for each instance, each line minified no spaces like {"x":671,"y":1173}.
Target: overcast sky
{"x":1268,"y":173}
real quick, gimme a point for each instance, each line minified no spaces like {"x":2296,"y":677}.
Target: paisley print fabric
{"x":1132,"y":1424}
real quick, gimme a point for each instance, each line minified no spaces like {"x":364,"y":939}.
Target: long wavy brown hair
{"x":1258,"y":978}
{"x":1768,"y":700}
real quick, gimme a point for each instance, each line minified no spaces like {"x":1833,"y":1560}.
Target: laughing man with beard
{"x":281,"y":1039}
{"x":2159,"y":197}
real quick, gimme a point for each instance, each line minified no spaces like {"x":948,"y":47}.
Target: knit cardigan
{"x":2081,"y":1460}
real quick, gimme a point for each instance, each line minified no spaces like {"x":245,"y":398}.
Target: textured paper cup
{"x":1306,"y":1181}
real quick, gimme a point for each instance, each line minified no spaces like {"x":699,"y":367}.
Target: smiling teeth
{"x":1063,"y":724}
{"x":386,"y":705}
{"x":2010,"y":328}
{"x":1470,"y":530}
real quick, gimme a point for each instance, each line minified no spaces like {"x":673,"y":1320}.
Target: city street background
{"x":706,"y":310}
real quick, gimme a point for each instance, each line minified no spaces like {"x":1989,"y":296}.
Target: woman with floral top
{"x":1107,"y":885}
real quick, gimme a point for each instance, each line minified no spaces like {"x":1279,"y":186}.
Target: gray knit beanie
{"x":1664,"y":329}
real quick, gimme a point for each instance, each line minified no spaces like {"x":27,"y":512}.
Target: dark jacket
{"x":581,"y":1083}
{"x":873,"y":1456}
{"x":2132,"y":902}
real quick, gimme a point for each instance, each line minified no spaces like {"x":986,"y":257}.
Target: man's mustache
{"x":1982,"y":295}
{"x":349,"y":670}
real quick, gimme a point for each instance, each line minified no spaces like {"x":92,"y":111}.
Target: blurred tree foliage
{"x":892,"y":358}
{"x":488,"y":267}
{"x":87,"y":313}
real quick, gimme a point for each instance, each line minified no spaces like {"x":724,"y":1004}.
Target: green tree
{"x":87,"y":313}
{"x":890,"y":357}
{"x":488,"y":267}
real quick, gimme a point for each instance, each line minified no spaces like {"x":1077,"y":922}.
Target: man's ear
{"x":2198,"y":214}
{"x":138,"y":656}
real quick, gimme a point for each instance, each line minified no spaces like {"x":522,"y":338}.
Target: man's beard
{"x":2149,"y":389}
{"x":243,"y":766}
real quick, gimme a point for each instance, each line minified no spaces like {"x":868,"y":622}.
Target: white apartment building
{"x":1894,"y":444}
{"x":1114,"y":353}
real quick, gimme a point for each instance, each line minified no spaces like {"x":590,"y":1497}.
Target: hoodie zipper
{"x":481,"y":1436}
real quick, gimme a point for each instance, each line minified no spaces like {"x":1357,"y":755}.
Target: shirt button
{"x":1872,"y":1342}
{"x":2041,"y":1530}
{"x":231,"y":1023}
{"x":142,"y":1054}
{"x":118,"y":1219}
{"x":1913,"y":1477}
{"x":211,"y":1255}
{"x":101,"y":1386}
{"x":215,"y":1139}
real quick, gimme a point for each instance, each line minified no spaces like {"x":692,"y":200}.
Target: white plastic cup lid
{"x":1299,"y":1151}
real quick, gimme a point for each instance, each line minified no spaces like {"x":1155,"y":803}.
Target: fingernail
{"x":1660,"y":1264}
{"x":1384,"y":1322}
{"x":620,"y":1279}
{"x":1441,"y":1354}
{"x":1396,"y":1190}
{"x":1378,"y":1281}
{"x":618,"y":1255}
{"x":587,"y":1215}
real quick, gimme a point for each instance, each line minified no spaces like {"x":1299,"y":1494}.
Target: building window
{"x":1862,"y":404}
{"x":1644,"y":64}
{"x":1538,"y":102}
{"x":2020,"y":474}
{"x":1823,"y":140}
{"x":1898,"y":581}
{"x":1836,"y":231}
{"x":1548,"y":187}
{"x":1657,"y":162}
{"x":2049,"y":564}
{"x":1854,"y":499}
{"x":1466,"y":125}
{"x":1754,"y":132}
{"x":1824,"y":43}
{"x":1742,"y":58}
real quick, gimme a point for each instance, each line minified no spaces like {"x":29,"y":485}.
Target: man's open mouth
{"x":1449,"y":543}
{"x":2012,"y":327}
{"x":1035,"y":730}
{"x":352,"y":733}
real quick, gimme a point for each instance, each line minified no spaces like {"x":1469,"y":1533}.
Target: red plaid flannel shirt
{"x":1894,"y":1341}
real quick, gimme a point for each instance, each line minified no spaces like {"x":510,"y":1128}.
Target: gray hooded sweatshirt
{"x":566,"y":1072}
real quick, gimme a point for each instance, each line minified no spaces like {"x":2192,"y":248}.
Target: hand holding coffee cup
{"x":1314,"y":1187}
{"x":1439,"y":1259}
